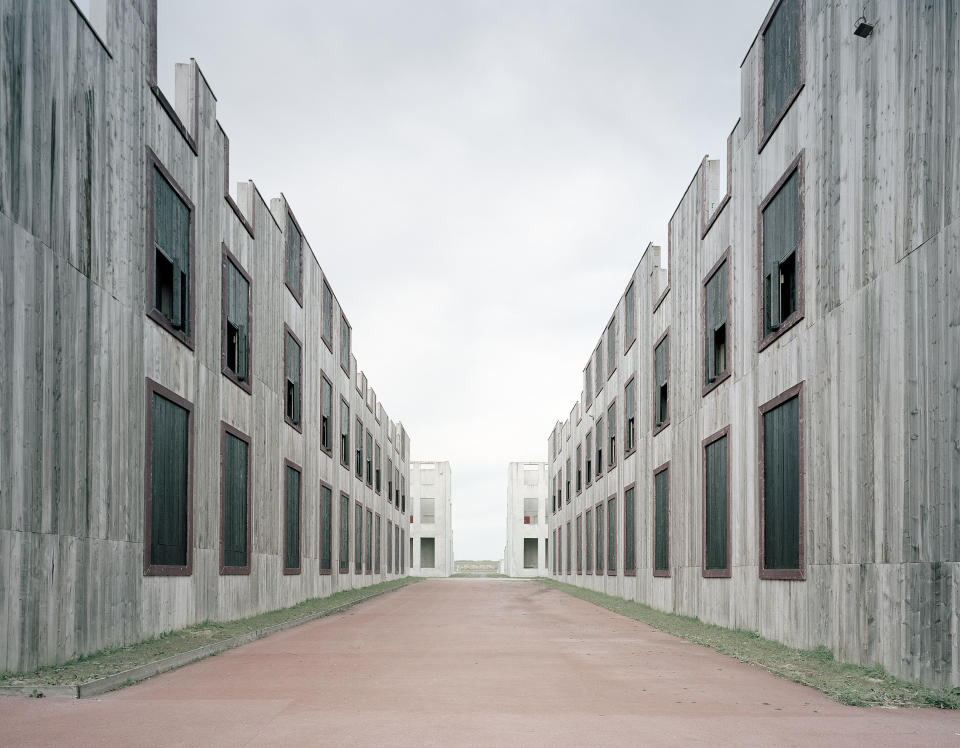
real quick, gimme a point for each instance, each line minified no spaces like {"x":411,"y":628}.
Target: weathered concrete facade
{"x":84,"y":129}
{"x":872,"y":346}
{"x":431,"y":519}
{"x":525,"y":553}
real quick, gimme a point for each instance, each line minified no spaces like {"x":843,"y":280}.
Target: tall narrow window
{"x":715,"y":508}
{"x":389,"y":480}
{"x":661,"y":394}
{"x":588,"y":458}
{"x":378,"y":545}
{"x":235,"y":502}
{"x":291,"y":357}
{"x":344,"y":434}
{"x":369,"y":459}
{"x":169,"y":505}
{"x":170,"y":256}
{"x":358,"y":538}
{"x":781,"y":64}
{"x":568,"y":480}
{"x":396,"y":486}
{"x":629,"y":318}
{"x":569,"y":548}
{"x":612,"y":435}
{"x":389,"y":546}
{"x":293,"y":275}
{"x":661,"y":521}
{"x":397,"y":548}
{"x":612,"y":347}
{"x":600,"y":438}
{"x":579,"y":468}
{"x":326,"y":333}
{"x":291,"y":519}
{"x":715,"y":326}
{"x":598,"y":368}
{"x":368,"y":556}
{"x":589,"y":538}
{"x":326,"y":529}
{"x":344,"y":556}
{"x":428,"y":511}
{"x":403,"y":493}
{"x":579,"y":544}
{"x":378,"y":468}
{"x":235,"y":350}
{"x":344,"y":345}
{"x":326,"y":415}
{"x":629,"y":532}
{"x":598,"y":521}
{"x":588,"y":386}
{"x":781,"y":499}
{"x":358,"y":452}
{"x":780,"y":232}
{"x":612,"y":535}
{"x":630,"y":417}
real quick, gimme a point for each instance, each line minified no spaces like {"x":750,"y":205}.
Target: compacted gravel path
{"x":468,"y":662}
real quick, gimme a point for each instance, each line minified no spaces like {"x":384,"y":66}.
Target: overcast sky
{"x":478,"y":179}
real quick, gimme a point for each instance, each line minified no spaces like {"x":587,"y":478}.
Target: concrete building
{"x":185,"y":434}
{"x":768,"y":435}
{"x":431,"y":520}
{"x":526,"y":551}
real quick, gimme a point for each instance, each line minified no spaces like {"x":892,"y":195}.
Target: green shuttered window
{"x":598,"y":367}
{"x":291,"y":356}
{"x":344,"y":434}
{"x":326,"y":529}
{"x":661,"y":527}
{"x":358,"y":438}
{"x":294,"y":259}
{"x":171,"y":241}
{"x":345,"y":345}
{"x":781,"y":240}
{"x":661,"y":395}
{"x":344,"y":555}
{"x":327,"y":332}
{"x":715,"y":325}
{"x":569,"y":548}
{"x":389,"y":547}
{"x":368,"y":558}
{"x":612,"y":346}
{"x":236,"y":326}
{"x":612,"y":435}
{"x":589,"y":538}
{"x":326,"y":415}
{"x":588,"y":458}
{"x":781,"y":62}
{"x":234,"y":510}
{"x":378,"y":469}
{"x":629,"y":532}
{"x":291,"y":520}
{"x":781,"y":489}
{"x":600,"y":437}
{"x":612,"y":535}
{"x":715,"y":561}
{"x":379,"y":545}
{"x":598,"y":522}
{"x":358,"y":539}
{"x":369,"y":459}
{"x":579,"y":544}
{"x":629,"y":417}
{"x":579,"y":468}
{"x":629,"y":317}
{"x":169,"y":484}
{"x":588,"y":384}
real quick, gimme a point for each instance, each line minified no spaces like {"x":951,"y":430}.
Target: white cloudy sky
{"x":478,"y":178}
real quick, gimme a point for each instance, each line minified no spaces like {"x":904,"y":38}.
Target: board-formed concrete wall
{"x":79,"y":117}
{"x":431,"y":480}
{"x":526,"y":480}
{"x":877,"y":351}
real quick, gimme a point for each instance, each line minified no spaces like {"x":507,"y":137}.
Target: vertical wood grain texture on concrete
{"x":878,"y":349}
{"x":76,"y":117}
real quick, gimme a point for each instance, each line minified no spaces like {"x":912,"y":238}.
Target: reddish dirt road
{"x":468,"y":662}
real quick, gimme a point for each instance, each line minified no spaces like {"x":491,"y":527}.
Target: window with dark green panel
{"x":292,"y":372}
{"x":782,"y":62}
{"x":715,"y":325}
{"x":327,"y":312}
{"x":715,"y":508}
{"x":326,"y":415}
{"x":344,"y":433}
{"x":661,"y":522}
{"x":612,"y":435}
{"x":344,"y":556}
{"x":781,"y":532}
{"x":344,"y":345}
{"x":326,"y":529}
{"x":629,"y":317}
{"x":588,"y":537}
{"x":579,"y":544}
{"x":168,"y":501}
{"x":369,"y":459}
{"x":368,"y":556}
{"x":780,"y":228}
{"x":629,"y":532}
{"x":293,"y":267}
{"x":600,"y":531}
{"x":236,"y":322}
{"x":291,"y":520}
{"x":612,"y":352}
{"x":377,"y":469}
{"x":378,"y":546}
{"x":358,"y":538}
{"x":612,"y":535}
{"x":171,"y":261}
{"x":598,"y":368}
{"x":403,"y":493}
{"x":661,"y":394}
{"x":588,"y":385}
{"x":358,"y":449}
{"x":588,"y":458}
{"x":234,"y":509}
{"x":600,"y":438}
{"x":630,"y":417}
{"x":389,"y":546}
{"x":397,"y":550}
{"x":389,"y":480}
{"x":579,"y":468}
